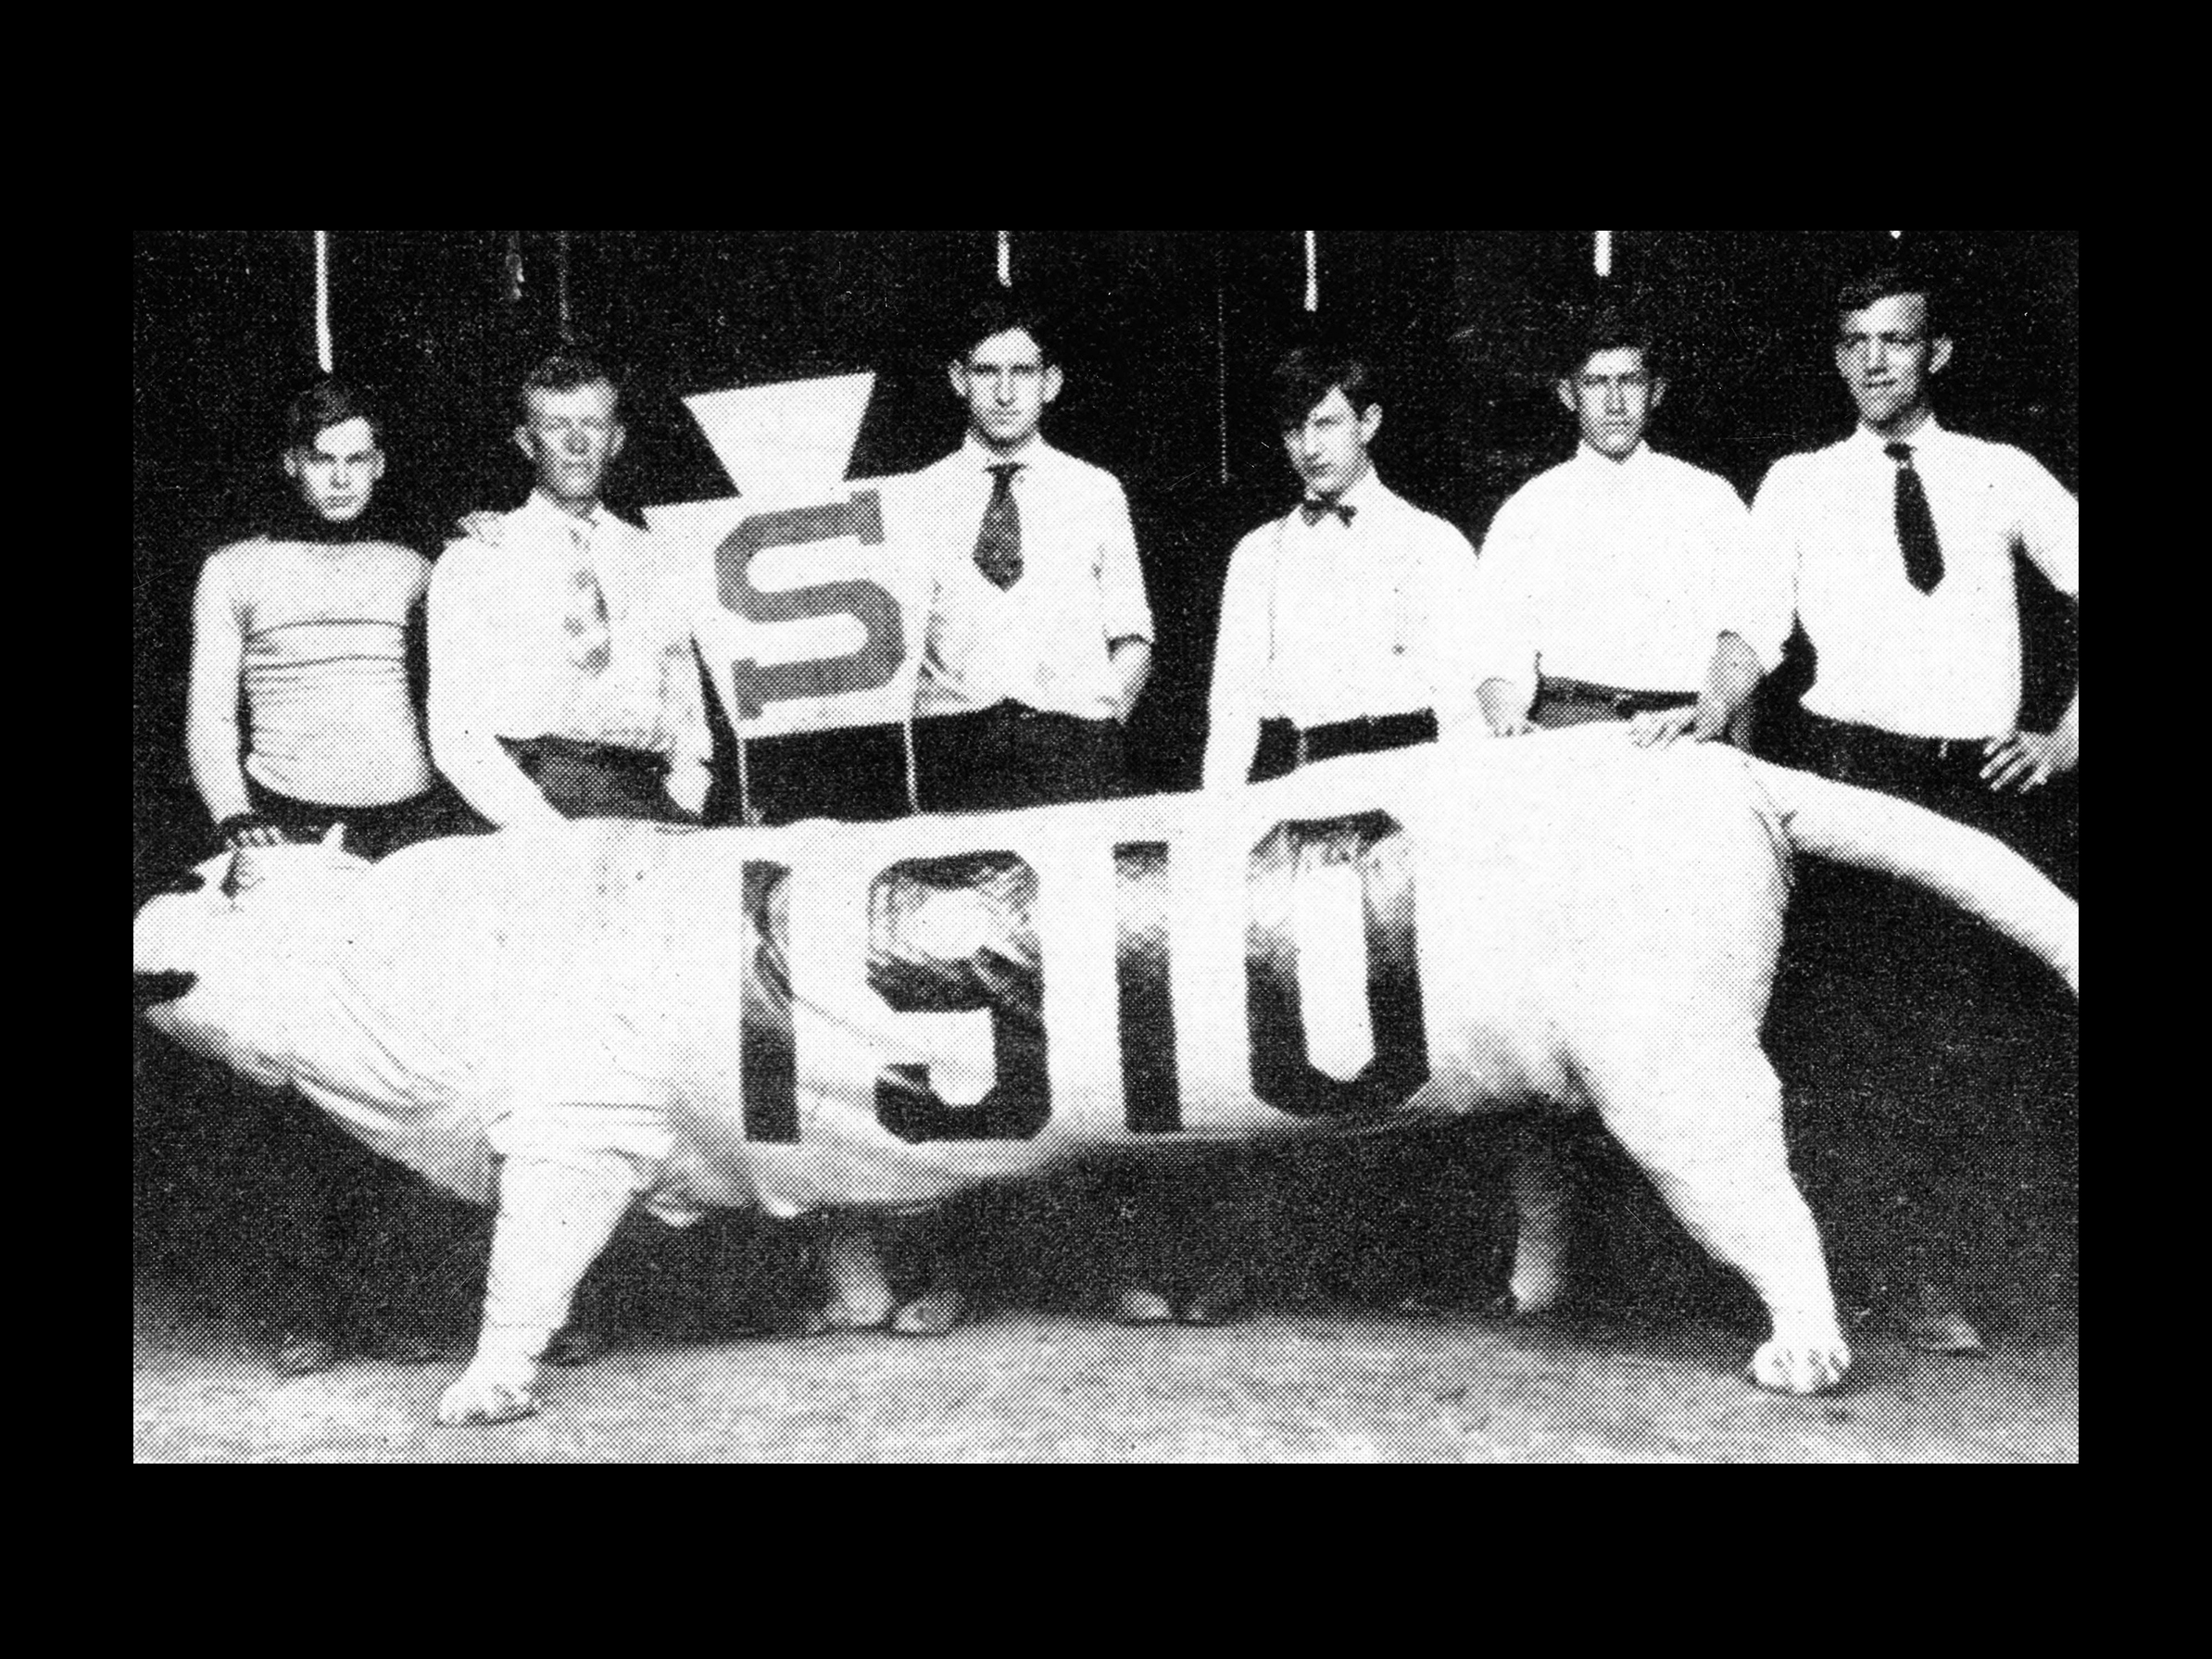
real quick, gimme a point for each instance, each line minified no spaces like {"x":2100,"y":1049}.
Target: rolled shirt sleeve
{"x":1452,"y":620}
{"x":470,"y":674}
{"x":1128,"y":613}
{"x":2049,"y":526}
{"x":1752,"y":598}
{"x":1502,"y":634}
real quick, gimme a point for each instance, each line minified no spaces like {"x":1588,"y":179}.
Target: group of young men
{"x":1622,"y":585}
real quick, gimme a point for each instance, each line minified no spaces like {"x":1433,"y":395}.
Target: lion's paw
{"x":483,"y":1395}
{"x":1803,"y":1366}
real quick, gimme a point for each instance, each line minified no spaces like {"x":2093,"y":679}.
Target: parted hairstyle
{"x":1611,"y":327}
{"x":1000,"y":311}
{"x":329,"y":402}
{"x":564,"y":370}
{"x":1885,"y":282}
{"x":1306,"y":374}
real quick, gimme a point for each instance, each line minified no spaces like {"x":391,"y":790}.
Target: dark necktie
{"x":1315,"y":508}
{"x":999,"y":546}
{"x":1916,"y":524}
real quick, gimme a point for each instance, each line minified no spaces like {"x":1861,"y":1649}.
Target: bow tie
{"x":1315,"y":508}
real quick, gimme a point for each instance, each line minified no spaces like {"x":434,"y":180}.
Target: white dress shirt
{"x":1939,"y":664}
{"x":1043,"y":641}
{"x":1624,"y":572}
{"x":1331,"y":621}
{"x":510,"y":656}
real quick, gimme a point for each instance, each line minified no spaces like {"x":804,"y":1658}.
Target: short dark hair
{"x":564,"y":370}
{"x":1611,"y":327}
{"x":1886,"y":282}
{"x":329,"y":402}
{"x":999,"y":311}
{"x":1309,"y":373}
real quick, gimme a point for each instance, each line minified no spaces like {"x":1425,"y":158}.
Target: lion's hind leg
{"x":1702,"y":1115}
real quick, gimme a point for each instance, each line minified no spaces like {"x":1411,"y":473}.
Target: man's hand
{"x":247,"y":868}
{"x":249,"y":829}
{"x":1130,"y":659}
{"x":246,"y":872}
{"x":1655,"y":728}
{"x":1705,"y":721}
{"x":2023,"y":759}
{"x":1497,"y":701}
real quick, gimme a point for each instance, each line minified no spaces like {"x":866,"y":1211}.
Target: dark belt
{"x":1005,"y":709}
{"x":1365,"y":737}
{"x":1624,"y":702}
{"x":532,"y":754}
{"x":1872,"y":740}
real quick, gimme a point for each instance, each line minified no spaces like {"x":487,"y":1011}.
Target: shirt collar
{"x":1589,"y":457}
{"x":1366,"y":496}
{"x":547,"y":512}
{"x":982,"y":457}
{"x":1928,"y":432}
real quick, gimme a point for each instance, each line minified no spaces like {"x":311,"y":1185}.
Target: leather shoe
{"x":1935,"y":1323}
{"x":1216,"y":1304}
{"x":302,"y":1353}
{"x":1139,"y":1304}
{"x":932,"y":1314}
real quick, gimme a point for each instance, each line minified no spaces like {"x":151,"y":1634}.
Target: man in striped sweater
{"x":305,"y":629}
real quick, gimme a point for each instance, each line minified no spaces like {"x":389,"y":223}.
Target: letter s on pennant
{"x":754,"y":685}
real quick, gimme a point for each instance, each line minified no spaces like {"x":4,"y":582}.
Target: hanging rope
{"x":1603,"y":257}
{"x":1221,"y":361}
{"x":561,"y":244}
{"x":325,"y":353}
{"x":1005,"y":258}
{"x":1312,"y":271}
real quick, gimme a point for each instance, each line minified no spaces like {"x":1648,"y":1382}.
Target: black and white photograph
{"x":1106,"y":846}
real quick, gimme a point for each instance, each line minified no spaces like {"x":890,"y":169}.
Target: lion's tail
{"x":1978,"y":874}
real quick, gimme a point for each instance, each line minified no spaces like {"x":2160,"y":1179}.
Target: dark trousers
{"x":1936,"y":1061}
{"x":1284,"y":747}
{"x":1563,"y":703}
{"x":370,"y":832}
{"x":597,"y":780}
{"x":853,"y":774}
{"x":1010,"y":755}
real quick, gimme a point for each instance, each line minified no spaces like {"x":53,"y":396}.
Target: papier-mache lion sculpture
{"x":829,"y":1016}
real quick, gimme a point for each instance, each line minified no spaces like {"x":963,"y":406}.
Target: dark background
{"x":1169,"y":335}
